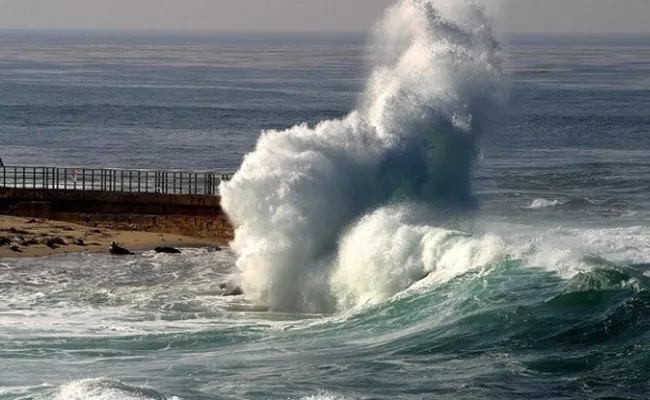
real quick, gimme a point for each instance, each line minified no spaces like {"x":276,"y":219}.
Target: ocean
{"x":422,"y":214}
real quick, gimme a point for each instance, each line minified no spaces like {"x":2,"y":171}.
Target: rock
{"x":118,"y":251}
{"x":234,"y":291}
{"x":4,"y":241}
{"x":29,"y":242}
{"x":78,"y":242}
{"x":213,"y":248}
{"x":96,"y":231}
{"x":168,"y":250}
{"x":32,"y":221}
{"x":54,"y":242}
{"x":15,"y":248}
{"x":230,"y":289}
{"x":17,"y":231}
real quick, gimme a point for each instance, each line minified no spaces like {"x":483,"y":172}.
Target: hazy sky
{"x":518,"y":15}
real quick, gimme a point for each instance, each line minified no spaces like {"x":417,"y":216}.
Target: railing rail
{"x":113,"y":180}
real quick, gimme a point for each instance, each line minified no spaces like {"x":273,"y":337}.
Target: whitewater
{"x":430,"y":212}
{"x":298,"y":199}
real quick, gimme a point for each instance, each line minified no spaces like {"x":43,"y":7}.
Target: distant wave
{"x":542,"y":203}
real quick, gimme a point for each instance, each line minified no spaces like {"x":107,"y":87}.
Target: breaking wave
{"x":359,"y":208}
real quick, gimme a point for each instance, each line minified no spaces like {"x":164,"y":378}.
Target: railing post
{"x":162,"y":181}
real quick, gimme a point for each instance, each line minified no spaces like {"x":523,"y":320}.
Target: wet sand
{"x":33,"y":237}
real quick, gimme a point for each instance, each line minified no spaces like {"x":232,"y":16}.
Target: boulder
{"x":118,"y":251}
{"x":231,"y":290}
{"x":167,"y":250}
{"x":234,"y":291}
{"x":54,"y":242}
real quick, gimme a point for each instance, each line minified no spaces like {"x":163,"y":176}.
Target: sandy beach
{"x":33,"y":237}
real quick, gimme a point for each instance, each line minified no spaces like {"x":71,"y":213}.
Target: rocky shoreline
{"x":31,"y":237}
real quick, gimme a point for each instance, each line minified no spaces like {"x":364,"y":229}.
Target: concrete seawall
{"x":192,"y":215}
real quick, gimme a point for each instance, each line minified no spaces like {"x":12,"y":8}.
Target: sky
{"x":516,"y":16}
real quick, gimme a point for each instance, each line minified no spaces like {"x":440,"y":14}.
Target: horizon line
{"x":282,"y":32}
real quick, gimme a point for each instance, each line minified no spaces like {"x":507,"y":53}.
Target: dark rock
{"x":4,"y":241}
{"x":234,"y":291}
{"x":168,"y":250}
{"x":32,"y":221}
{"x":213,"y":248}
{"x":59,"y":241}
{"x":96,"y":231}
{"x":78,"y":242}
{"x":17,"y":231}
{"x":230,"y":289}
{"x":54,"y":242}
{"x":29,"y":242}
{"x":15,"y":249}
{"x":119,"y":251}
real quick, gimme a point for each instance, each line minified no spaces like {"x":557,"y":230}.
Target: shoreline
{"x":22,"y":237}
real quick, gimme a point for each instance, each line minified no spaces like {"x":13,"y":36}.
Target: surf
{"x":297,"y":199}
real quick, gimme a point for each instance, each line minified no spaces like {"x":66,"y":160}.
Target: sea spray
{"x":433,"y":89}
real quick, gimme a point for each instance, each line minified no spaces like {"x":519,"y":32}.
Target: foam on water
{"x":400,"y":249}
{"x":538,"y":204}
{"x":432,"y":92}
{"x":105,"y":389}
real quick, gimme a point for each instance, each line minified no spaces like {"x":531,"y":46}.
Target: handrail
{"x":113,"y":179}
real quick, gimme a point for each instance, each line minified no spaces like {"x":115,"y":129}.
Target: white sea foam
{"x":104,"y":389}
{"x":399,"y":250}
{"x":433,"y":88}
{"x":538,"y":204}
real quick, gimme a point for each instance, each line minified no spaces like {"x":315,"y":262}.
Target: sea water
{"x":424,"y":211}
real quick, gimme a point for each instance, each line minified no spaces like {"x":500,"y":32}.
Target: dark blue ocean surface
{"x":550,"y":301}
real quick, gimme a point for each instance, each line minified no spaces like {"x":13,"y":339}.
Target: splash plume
{"x":304,"y":194}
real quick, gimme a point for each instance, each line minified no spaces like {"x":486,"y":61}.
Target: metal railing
{"x":113,"y":180}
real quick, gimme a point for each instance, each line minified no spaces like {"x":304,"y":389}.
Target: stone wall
{"x":192,"y":215}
